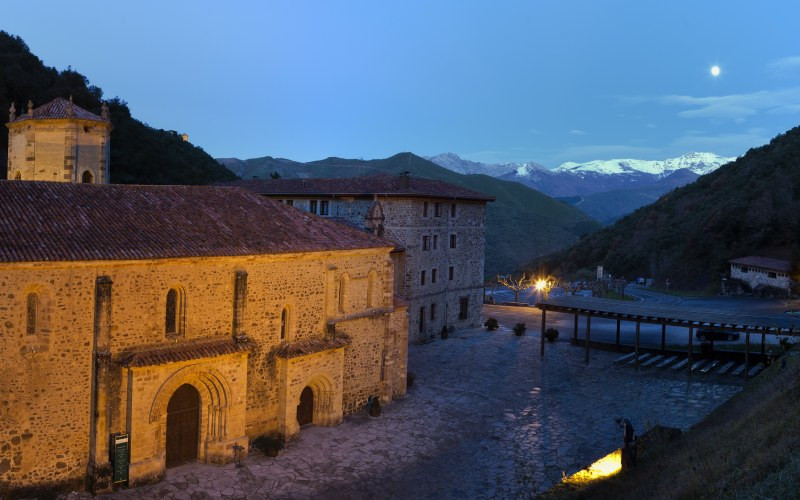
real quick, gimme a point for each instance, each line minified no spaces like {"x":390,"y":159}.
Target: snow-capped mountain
{"x":698,"y":163}
{"x":577,"y":179}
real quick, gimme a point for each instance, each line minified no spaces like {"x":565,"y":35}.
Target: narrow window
{"x":422,"y":319}
{"x":450,"y":273}
{"x":433,"y":312}
{"x":284,"y":322}
{"x":422,"y":277}
{"x":172,"y":312}
{"x":426,"y":242}
{"x":452,"y":241}
{"x":312,"y":206}
{"x":371,"y":289}
{"x":433,"y":275}
{"x":18,"y":176}
{"x":424,"y":208}
{"x":342,"y":292}
{"x":453,"y":210}
{"x":87,"y":178}
{"x":290,"y":203}
{"x":32,"y":308}
{"x":437,"y":209}
{"x":463,"y":308}
{"x":323,"y":207}
{"x":435,"y":241}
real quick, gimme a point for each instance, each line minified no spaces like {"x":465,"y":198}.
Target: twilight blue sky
{"x":547,"y":81}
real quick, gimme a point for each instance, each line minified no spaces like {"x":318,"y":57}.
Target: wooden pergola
{"x":667,"y":315}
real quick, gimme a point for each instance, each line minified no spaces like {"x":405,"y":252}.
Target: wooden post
{"x":663,"y":337}
{"x":636,"y":347}
{"x":691,"y":335}
{"x":746,"y":354}
{"x":588,"y":330}
{"x":544,"y":315}
{"x":575,"y":331}
{"x":617,"y":335}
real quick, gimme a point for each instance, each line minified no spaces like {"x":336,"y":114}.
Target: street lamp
{"x":544,"y":285}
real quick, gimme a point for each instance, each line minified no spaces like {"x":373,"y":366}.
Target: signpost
{"x":121,"y":458}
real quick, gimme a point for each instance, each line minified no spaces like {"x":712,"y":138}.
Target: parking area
{"x":485,"y":418}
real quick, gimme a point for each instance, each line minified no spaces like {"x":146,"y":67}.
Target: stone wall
{"x":58,"y":150}
{"x":47,"y":376}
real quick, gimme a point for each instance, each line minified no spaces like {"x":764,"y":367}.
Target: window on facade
{"x":772,"y":275}
{"x":290,"y":203}
{"x":174,"y":314}
{"x":453,"y":210}
{"x":422,"y":277}
{"x":87,"y":178}
{"x":284,"y":322}
{"x":435,"y":241}
{"x":18,"y":176}
{"x":323,"y":207}
{"x":463,"y":308}
{"x":342,"y":293}
{"x":433,"y":312}
{"x":437,"y":209}
{"x":371,"y":289}
{"x":31,"y":313}
{"x":453,"y":241}
{"x":450,"y":273}
{"x":312,"y":206}
{"x":424,"y":208}
{"x":426,"y":242}
{"x":422,"y":319}
{"x":433,"y":275}
{"x":743,"y":269}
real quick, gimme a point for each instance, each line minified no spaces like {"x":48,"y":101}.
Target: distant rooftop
{"x":783,"y":266}
{"x":55,"y":221}
{"x":56,"y":109}
{"x":381,"y":185}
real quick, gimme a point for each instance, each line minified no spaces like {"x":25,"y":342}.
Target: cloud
{"x":576,"y":131}
{"x":735,"y":107}
{"x":785,"y":65}
{"x":735,"y":144}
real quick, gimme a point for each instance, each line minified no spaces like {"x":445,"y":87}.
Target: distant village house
{"x":760,"y":275}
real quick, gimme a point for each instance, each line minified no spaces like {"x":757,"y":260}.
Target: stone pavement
{"x":485,"y":418}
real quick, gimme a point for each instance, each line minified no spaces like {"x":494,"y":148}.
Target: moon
{"x":714,"y":70}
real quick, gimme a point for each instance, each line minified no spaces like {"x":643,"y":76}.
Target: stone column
{"x":99,"y":469}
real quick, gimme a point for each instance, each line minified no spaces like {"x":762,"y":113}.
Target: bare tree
{"x":516,"y":284}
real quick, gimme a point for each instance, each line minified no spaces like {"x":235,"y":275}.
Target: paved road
{"x":486,"y":418}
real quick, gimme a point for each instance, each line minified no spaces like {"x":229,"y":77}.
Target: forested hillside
{"x":140,"y":154}
{"x":748,"y":207}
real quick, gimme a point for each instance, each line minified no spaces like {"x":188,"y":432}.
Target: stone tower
{"x":59,"y":142}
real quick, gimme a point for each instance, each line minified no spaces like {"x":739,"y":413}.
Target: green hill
{"x":522,"y":224}
{"x":140,"y":154}
{"x":748,"y":207}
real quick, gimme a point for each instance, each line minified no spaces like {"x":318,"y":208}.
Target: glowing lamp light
{"x":605,"y":467}
{"x":541,"y":285}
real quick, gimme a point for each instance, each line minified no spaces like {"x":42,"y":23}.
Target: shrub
{"x":491,"y":324}
{"x":551,"y":334}
{"x":519,"y":329}
{"x":268,"y":445}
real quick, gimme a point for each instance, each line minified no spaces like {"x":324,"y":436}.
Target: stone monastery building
{"x":187,"y":319}
{"x":440,"y":226}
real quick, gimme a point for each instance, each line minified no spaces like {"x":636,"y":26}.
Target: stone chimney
{"x":70,"y":110}
{"x":104,"y":111}
{"x":403,"y":180}
{"x":30,"y":108}
{"x":12,"y":113}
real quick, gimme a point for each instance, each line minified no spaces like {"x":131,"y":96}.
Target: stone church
{"x":187,"y":320}
{"x":440,"y":227}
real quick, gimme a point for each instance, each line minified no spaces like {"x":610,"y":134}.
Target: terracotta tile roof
{"x":764,"y":263}
{"x":54,"y":221}
{"x":381,"y":185}
{"x":311,"y":346}
{"x":57,"y":108}
{"x":184,"y":351}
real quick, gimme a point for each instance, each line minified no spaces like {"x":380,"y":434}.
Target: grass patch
{"x":746,"y":448}
{"x":613,"y":294}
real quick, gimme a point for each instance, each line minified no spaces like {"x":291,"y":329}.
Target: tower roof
{"x":59,"y":108}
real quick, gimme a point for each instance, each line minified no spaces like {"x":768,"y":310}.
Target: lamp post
{"x":544,"y":285}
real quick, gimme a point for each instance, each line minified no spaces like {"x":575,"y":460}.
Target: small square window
{"x":290,"y":203}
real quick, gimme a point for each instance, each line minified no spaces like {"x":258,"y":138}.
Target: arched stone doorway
{"x":87,"y":178}
{"x":305,"y":410}
{"x":183,"y":425}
